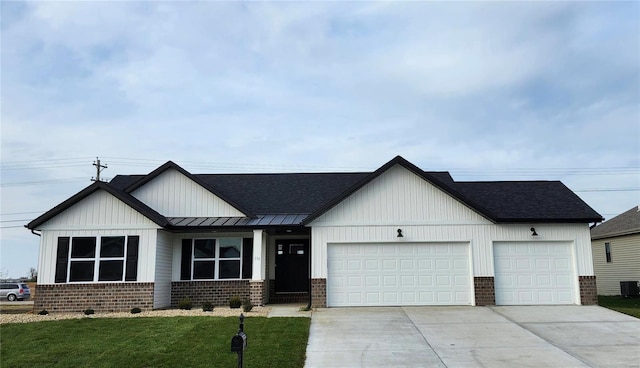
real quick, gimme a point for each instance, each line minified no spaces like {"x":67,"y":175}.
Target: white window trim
{"x":97,"y":259}
{"x":216,"y":259}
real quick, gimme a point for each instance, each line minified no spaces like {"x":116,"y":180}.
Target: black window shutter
{"x":132,"y":258}
{"x":62,"y":259}
{"x":185,"y":264}
{"x":247,"y":258}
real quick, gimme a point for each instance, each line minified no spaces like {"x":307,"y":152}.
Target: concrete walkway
{"x":288,"y":310}
{"x":530,"y":336}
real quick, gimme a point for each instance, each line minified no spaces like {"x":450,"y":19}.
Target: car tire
{"x":11,"y":298}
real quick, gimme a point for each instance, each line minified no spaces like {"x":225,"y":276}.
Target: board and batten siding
{"x":174,"y":195}
{"x":399,"y":199}
{"x":99,"y":214}
{"x":624,"y":265}
{"x":162,"y":283}
{"x":100,"y":210}
{"x":399,"y":195}
{"x":49,"y":246}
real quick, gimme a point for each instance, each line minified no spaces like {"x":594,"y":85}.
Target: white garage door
{"x":398,"y":274}
{"x":534,"y":273}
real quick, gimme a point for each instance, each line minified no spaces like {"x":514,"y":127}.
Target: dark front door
{"x":292,"y":265}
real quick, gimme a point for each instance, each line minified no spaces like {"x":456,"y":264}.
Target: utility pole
{"x":99,"y":168}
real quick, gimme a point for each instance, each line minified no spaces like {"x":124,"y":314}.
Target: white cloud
{"x":473,"y":85}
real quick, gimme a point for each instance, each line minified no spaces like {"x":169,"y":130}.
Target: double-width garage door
{"x":398,"y":274}
{"x":528,"y":273}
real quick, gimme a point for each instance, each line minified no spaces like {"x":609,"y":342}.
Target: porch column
{"x":257,"y":289}
{"x":259,"y":256}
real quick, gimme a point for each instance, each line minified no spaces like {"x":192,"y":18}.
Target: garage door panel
{"x":534,"y":273}
{"x":399,"y":274}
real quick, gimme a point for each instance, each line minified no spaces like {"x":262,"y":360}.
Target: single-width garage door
{"x":529,"y":273}
{"x":398,"y":274}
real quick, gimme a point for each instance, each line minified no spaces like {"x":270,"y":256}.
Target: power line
{"x":19,"y":213}
{"x":39,"y":182}
{"x":608,"y":190}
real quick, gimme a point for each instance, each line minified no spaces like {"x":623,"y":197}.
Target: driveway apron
{"x":538,"y":336}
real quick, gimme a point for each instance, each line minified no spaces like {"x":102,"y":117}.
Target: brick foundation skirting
{"x":103,"y":297}
{"x":318,"y":293}
{"x":215,"y":292}
{"x":484,"y":290}
{"x":258,"y":292}
{"x":588,"y":290}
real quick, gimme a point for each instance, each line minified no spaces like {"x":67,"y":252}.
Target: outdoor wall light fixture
{"x":400,"y":233}
{"x":533,"y":232}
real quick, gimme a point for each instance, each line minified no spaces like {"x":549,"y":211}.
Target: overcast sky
{"x":485,"y":90}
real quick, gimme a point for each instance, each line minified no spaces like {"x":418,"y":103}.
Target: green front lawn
{"x":630,"y":306}
{"x":153,"y":342}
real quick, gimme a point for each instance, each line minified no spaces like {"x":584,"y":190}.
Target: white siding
{"x":481,"y":238}
{"x":173,"y":195}
{"x":624,"y":266}
{"x":162,"y":285}
{"x":399,"y":199}
{"x":99,"y":210}
{"x":399,"y":196}
{"x":49,"y":246}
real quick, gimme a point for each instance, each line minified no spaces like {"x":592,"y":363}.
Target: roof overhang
{"x":128,"y":199}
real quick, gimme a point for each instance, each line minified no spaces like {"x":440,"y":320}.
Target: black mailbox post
{"x":239,"y":342}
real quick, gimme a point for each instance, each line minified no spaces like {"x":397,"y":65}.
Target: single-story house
{"x":615,"y":245}
{"x":395,"y":236}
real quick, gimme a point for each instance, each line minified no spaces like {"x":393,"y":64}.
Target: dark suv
{"x":14,"y":291}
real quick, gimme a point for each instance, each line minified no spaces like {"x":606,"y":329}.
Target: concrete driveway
{"x":527,"y":336}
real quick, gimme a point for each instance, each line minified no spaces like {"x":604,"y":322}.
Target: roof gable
{"x":434,"y":179}
{"x":129,"y":200}
{"x":399,"y":195}
{"x":168,"y":167}
{"x":174,"y":195}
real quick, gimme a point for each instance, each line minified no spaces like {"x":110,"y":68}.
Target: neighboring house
{"x":615,"y":245}
{"x":395,"y":236}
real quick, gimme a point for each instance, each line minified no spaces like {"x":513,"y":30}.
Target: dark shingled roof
{"x":626,"y":223}
{"x":528,"y":201}
{"x":312,"y":194}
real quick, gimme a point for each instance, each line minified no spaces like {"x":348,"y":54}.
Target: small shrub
{"x":88,"y":312}
{"x":247,"y":306}
{"x":185,"y":304}
{"x":235,"y":302}
{"x":43,"y":312}
{"x":136,"y":310}
{"x":207,"y":307}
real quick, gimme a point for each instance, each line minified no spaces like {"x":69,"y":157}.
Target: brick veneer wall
{"x":484,"y":290}
{"x":215,"y":292}
{"x":258,"y":292}
{"x":103,"y":297}
{"x":588,"y":290}
{"x":319,"y":293}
